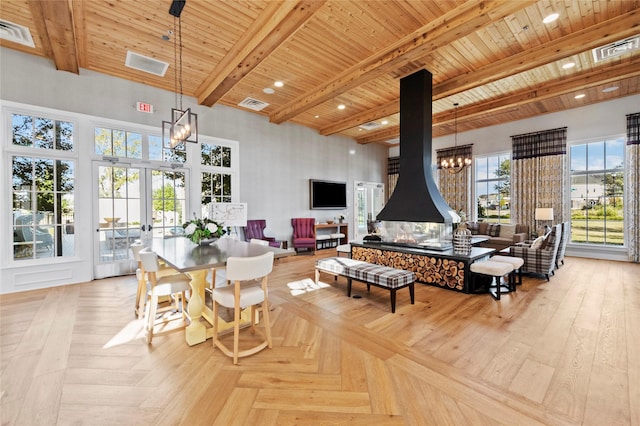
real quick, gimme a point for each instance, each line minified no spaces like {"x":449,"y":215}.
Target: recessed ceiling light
{"x":352,"y":151}
{"x":551,"y":18}
{"x":341,"y":106}
{"x":317,"y":116}
{"x":580,"y":96}
{"x":268,"y":91}
{"x":385,"y":122}
{"x":568,"y":65}
{"x":278,"y":84}
{"x":610,"y":89}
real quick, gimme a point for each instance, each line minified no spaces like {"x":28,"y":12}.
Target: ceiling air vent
{"x":146,"y":64}
{"x":253,"y":104}
{"x":16,"y":33}
{"x":616,"y":49}
{"x":370,"y":125}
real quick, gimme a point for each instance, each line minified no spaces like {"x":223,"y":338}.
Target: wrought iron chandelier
{"x":183,"y":126}
{"x":456,"y":163}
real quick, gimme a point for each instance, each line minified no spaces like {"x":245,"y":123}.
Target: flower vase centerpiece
{"x":462,"y":236}
{"x":202,"y":231}
{"x":341,"y":218}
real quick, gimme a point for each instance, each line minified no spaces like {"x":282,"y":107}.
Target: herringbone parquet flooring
{"x":562,"y":352}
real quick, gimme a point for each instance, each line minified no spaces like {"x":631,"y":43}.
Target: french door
{"x":369,"y":200}
{"x":134,"y":202}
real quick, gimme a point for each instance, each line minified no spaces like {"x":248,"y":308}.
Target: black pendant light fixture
{"x":183,"y":126}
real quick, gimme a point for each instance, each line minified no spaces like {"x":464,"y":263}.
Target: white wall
{"x":276,"y":161}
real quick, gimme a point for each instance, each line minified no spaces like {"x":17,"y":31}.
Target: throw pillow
{"x":537,"y":243}
{"x":493,"y":230}
{"x":482,"y":228}
{"x":473,"y":227}
{"x":507,"y":231}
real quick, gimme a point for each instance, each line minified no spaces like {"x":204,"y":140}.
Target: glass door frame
{"x":122,"y":262}
{"x":374,"y":192}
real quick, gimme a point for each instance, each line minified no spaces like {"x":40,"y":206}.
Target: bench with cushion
{"x":380,"y":276}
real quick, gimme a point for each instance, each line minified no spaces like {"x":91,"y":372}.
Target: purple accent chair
{"x":255,"y":229}
{"x":304,"y":233}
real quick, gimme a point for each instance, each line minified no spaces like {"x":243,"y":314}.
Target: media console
{"x":331,"y":235}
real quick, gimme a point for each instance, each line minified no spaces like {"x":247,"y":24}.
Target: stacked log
{"x":447,"y":273}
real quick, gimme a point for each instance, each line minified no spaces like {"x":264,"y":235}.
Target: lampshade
{"x":544,"y":213}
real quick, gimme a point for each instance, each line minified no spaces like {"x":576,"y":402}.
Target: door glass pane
{"x":118,"y":211}
{"x":168,"y":202}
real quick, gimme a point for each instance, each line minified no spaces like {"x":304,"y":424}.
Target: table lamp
{"x":543,"y":214}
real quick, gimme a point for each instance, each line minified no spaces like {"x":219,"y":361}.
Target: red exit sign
{"x":144,"y":107}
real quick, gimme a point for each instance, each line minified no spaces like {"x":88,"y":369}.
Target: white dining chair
{"x":244,"y":293}
{"x":260,"y":242}
{"x":136,"y":247}
{"x":173,"y":286}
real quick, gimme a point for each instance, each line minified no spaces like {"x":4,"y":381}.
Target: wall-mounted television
{"x":327,"y":195}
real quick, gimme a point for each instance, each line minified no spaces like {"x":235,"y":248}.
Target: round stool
{"x":516,"y":262}
{"x":496,"y":270}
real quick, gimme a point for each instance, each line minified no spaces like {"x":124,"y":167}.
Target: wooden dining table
{"x":196,"y":260}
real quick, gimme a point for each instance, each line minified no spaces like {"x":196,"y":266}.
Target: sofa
{"x":500,"y":235}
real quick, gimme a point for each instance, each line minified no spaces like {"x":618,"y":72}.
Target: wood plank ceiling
{"x":496,"y":58}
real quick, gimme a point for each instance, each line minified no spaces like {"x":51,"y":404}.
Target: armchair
{"x":562,"y":247}
{"x":304,"y":234}
{"x":540,"y":260}
{"x":255,"y":230}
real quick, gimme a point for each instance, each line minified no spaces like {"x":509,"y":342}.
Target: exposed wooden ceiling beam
{"x":55,"y":22}
{"x":464,"y":20}
{"x":275,"y":25}
{"x":385,"y":110}
{"x":606,"y":32}
{"x":602,"y":75}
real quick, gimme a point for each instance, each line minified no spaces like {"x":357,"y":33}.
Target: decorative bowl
{"x":330,"y":222}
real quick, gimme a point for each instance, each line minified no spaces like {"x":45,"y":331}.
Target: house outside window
{"x":597,"y":192}
{"x":493,"y":188}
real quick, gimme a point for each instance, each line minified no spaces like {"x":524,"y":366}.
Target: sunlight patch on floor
{"x":305,"y":286}
{"x":132,"y":331}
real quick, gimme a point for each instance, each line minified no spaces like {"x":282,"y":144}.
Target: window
{"x":597,"y":192}
{"x":493,"y":188}
{"x":217,"y":172}
{"x":42,"y":187}
{"x":124,"y":144}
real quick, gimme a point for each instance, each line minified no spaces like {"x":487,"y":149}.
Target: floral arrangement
{"x":341,"y":217}
{"x":199,"y":229}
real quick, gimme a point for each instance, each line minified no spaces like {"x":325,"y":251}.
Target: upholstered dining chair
{"x":304,"y":234}
{"x":244,"y":293}
{"x":136,"y":248}
{"x":259,"y":242}
{"x":255,"y":229}
{"x":173,"y":286}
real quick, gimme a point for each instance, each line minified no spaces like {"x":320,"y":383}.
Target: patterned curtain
{"x":632,"y":187}
{"x":538,"y":175}
{"x":454,"y":187}
{"x":393,"y":171}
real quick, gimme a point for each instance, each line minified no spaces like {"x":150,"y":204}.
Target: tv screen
{"x":324,"y":194}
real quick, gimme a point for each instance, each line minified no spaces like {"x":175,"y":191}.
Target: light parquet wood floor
{"x":554,"y":353}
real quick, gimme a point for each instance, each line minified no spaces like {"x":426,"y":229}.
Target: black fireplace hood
{"x":416,"y":197}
